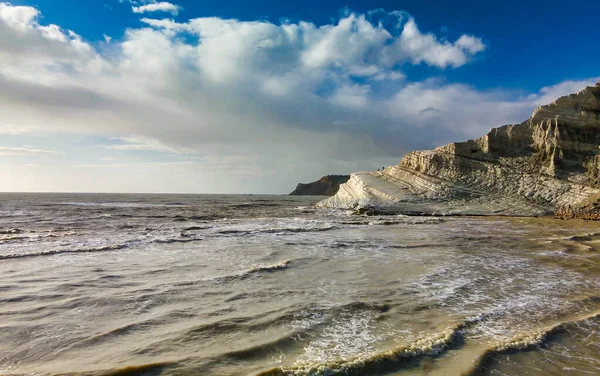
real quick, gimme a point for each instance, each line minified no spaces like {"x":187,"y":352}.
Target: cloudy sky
{"x":254,"y":97}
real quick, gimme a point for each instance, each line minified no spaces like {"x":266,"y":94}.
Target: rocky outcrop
{"x":326,"y":186}
{"x":549,"y":161}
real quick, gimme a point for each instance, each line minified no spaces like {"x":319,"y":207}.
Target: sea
{"x":98,"y":284}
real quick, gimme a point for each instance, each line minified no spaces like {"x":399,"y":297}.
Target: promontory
{"x":326,"y":186}
{"x":548,"y":162}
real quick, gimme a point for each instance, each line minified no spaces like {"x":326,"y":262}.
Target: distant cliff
{"x":549,"y":162}
{"x":326,"y":186}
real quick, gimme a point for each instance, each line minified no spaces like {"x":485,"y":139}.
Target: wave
{"x":196,"y":228}
{"x":106,"y":336}
{"x":133,"y":370}
{"x":258,"y":269}
{"x":405,"y":221}
{"x":176,"y":240}
{"x":381,"y":362}
{"x":208,"y":217}
{"x":270,"y":268}
{"x":12,"y":238}
{"x":133,"y":205}
{"x":274,"y":230}
{"x":239,"y":276}
{"x":109,"y":248}
{"x":258,"y":323}
{"x":527,"y":341}
{"x":10,"y":231}
{"x":584,"y":238}
{"x":297,"y":229}
{"x":32,"y":236}
{"x":391,"y":220}
{"x":453,"y":338}
{"x":181,"y":238}
{"x":263,"y":322}
{"x":253,"y":205}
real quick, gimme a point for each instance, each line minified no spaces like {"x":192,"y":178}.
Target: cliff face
{"x":548,"y":161}
{"x":326,"y":186}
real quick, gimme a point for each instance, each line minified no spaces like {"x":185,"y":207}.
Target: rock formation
{"x":549,"y":161}
{"x":326,"y":186}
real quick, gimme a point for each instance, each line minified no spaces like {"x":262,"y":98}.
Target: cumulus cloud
{"x":162,"y":6}
{"x":17,"y":17}
{"x":418,"y":48}
{"x":354,"y":46}
{"x":222,"y":99}
{"x":29,"y":51}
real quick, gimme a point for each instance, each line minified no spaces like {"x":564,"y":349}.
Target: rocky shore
{"x":550,"y":161}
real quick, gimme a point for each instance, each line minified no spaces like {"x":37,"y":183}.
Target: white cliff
{"x":549,"y":161}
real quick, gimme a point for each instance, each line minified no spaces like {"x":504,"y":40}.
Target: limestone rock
{"x":548,"y":161}
{"x":326,"y":186}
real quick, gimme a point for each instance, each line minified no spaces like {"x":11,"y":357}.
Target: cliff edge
{"x":550,"y":161}
{"x":326,"y":186}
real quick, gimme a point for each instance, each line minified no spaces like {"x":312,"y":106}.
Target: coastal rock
{"x":326,"y":186}
{"x":549,"y":161}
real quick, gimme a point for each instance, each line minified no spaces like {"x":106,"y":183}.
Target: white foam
{"x":496,"y":292}
{"x":345,"y":337}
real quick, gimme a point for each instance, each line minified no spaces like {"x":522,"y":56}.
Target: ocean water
{"x":269,"y":285}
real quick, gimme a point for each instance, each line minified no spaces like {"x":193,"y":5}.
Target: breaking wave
{"x":527,"y":341}
{"x":381,"y":362}
{"x":407,"y":356}
{"x":270,"y":268}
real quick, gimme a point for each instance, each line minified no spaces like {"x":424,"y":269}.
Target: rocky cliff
{"x":549,"y":161}
{"x":326,"y":186}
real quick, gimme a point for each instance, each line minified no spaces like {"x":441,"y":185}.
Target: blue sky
{"x":529,"y":40}
{"x":238,"y":96}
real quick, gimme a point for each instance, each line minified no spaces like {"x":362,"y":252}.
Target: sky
{"x":254,"y":97}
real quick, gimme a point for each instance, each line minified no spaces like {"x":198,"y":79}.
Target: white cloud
{"x":18,"y":17}
{"x":141,"y":143}
{"x":444,"y":112}
{"x":13,"y":129}
{"x":286,"y":102}
{"x":354,"y":46}
{"x":26,"y":151}
{"x":162,"y":6}
{"x":419,"y":47}
{"x":28,"y":50}
{"x":391,"y":76}
{"x":470,"y":44}
{"x":550,"y":93}
{"x":354,"y":96}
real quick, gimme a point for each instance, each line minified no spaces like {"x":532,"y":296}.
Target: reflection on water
{"x":246,"y":285}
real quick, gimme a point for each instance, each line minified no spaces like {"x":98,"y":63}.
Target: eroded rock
{"x":549,"y":161}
